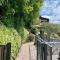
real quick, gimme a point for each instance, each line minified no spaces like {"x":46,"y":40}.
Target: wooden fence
{"x":5,"y":51}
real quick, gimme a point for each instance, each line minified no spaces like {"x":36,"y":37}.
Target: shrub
{"x":34,"y":30}
{"x":31,"y":37}
{"x":26,"y":34}
{"x":10,"y":35}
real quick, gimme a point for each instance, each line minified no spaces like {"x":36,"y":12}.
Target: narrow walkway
{"x":27,"y":52}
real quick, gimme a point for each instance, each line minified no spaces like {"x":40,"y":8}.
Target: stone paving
{"x":27,"y":52}
{"x":55,"y":57}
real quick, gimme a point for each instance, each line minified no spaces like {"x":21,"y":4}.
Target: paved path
{"x":55,"y":57}
{"x":27,"y":52}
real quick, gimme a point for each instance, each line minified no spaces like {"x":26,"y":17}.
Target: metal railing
{"x":46,"y":50}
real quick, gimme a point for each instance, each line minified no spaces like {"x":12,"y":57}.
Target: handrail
{"x":46,"y":42}
{"x":43,"y":49}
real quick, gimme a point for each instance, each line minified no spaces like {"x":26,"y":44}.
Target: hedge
{"x":10,"y":35}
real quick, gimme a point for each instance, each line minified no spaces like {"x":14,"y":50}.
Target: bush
{"x":34,"y":30}
{"x":26,"y":34}
{"x":31,"y":37}
{"x":10,"y":35}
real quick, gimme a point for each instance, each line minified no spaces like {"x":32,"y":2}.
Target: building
{"x":43,"y":19}
{"x":42,"y":22}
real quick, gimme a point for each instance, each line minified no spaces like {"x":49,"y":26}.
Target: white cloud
{"x":52,"y":10}
{"x":57,"y":10}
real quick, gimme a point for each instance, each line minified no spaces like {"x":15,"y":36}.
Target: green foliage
{"x":26,"y":34}
{"x":25,"y":10}
{"x":34,"y":30}
{"x":31,"y":37}
{"x":36,"y":21}
{"x":34,"y":12}
{"x":48,"y":27}
{"x":10,"y":35}
{"x":51,"y":29}
{"x":15,"y":15}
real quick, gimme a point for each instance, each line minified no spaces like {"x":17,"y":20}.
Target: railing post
{"x":51,"y":53}
{"x":37,"y":50}
{"x":42,"y":34}
{"x":45,"y":51}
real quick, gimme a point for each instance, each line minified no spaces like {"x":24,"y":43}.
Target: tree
{"x":20,"y":12}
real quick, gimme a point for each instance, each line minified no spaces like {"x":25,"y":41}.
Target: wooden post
{"x":2,"y":52}
{"x":8,"y":51}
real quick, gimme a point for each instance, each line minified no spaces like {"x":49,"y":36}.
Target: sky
{"x":51,"y":10}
